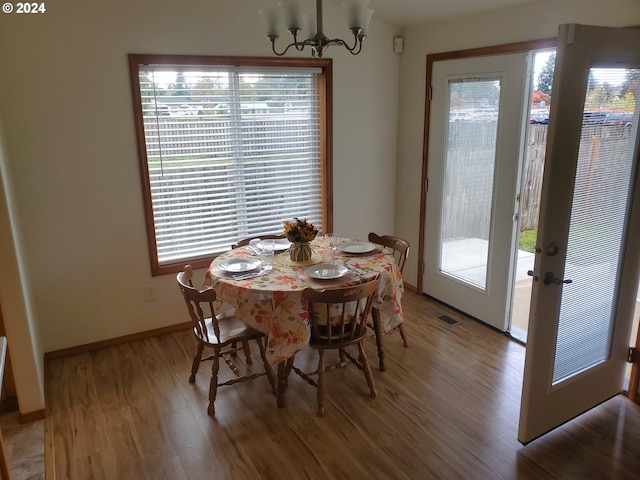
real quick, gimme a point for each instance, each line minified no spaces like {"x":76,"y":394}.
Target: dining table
{"x":270,"y":300}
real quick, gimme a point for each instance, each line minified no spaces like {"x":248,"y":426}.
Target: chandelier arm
{"x":339,"y":41}
{"x":299,"y":46}
{"x":356,"y":52}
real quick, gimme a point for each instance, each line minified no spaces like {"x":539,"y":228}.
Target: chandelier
{"x":298,"y":23}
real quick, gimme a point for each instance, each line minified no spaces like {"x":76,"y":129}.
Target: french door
{"x":587,"y":262}
{"x":477,"y":115}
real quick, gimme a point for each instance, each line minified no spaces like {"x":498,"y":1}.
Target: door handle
{"x":549,"y":279}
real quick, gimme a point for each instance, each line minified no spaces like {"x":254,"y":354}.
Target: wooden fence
{"x":532,"y":179}
{"x":613,"y":139}
{"x":220,"y":136}
{"x":470,"y":164}
{"x":470,"y":172}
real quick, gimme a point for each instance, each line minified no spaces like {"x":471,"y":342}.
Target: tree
{"x":180,"y":87}
{"x":597,"y":98}
{"x":278,"y":92}
{"x":209,"y":90}
{"x":146,"y":84}
{"x":626,"y":103}
{"x":632,"y":82}
{"x":456,"y":100}
{"x":475,"y":94}
{"x":537,"y":97}
{"x":592,"y":83}
{"x":545,"y":77}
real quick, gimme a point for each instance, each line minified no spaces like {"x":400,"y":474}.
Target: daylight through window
{"x":227,"y":152}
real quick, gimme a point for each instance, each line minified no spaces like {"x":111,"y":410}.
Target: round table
{"x":271,"y":301}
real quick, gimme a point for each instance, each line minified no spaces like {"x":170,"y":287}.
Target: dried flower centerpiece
{"x":300,"y":233}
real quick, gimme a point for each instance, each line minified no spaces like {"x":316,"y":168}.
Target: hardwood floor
{"x":447,"y":407}
{"x":24,"y":447}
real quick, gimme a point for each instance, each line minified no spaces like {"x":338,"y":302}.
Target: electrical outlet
{"x":149,"y":294}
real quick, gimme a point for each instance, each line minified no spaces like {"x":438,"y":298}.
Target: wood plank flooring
{"x":24,"y":447}
{"x":447,"y":408}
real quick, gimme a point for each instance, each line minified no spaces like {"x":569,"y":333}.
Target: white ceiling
{"x":405,"y":13}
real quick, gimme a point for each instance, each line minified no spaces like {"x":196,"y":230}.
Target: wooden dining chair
{"x":219,"y":332}
{"x":245,"y":241}
{"x":400,"y":250}
{"x":338,"y":319}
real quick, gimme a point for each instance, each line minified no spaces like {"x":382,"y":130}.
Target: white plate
{"x":279,"y":245}
{"x":325,"y":271}
{"x":356,"y":247}
{"x":237,"y":265}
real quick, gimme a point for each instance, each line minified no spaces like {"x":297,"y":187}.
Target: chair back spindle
{"x":195,"y":300}
{"x":338,"y":317}
{"x":399,"y":247}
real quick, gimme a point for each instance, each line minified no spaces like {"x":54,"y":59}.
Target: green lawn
{"x":528,"y":240}
{"x":600,"y":235}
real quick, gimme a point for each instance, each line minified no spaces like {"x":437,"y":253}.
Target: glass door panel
{"x":597,"y":228}
{"x":467,"y":197}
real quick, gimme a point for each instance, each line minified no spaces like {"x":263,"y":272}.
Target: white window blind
{"x":602,"y":196}
{"x":231,"y":152}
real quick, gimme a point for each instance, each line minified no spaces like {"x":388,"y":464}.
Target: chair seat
{"x":232,"y":329}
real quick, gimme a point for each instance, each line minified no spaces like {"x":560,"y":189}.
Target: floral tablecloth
{"x":272,"y":302}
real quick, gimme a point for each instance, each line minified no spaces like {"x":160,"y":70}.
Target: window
{"x":229,"y":147}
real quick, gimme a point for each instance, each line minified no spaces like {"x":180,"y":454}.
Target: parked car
{"x":484,"y":115}
{"x":539,"y":117}
{"x":593,"y":118}
{"x":221,"y":109}
{"x":622,"y":119}
{"x":459,"y":116}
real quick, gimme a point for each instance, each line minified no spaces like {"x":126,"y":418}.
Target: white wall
{"x":66,"y":103}
{"x":531,"y":21}
{"x":15,"y":298}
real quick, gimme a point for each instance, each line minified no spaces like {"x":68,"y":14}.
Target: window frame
{"x":325,"y":85}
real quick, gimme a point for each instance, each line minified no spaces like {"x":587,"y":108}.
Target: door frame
{"x":519,"y":47}
{"x":485,"y":291}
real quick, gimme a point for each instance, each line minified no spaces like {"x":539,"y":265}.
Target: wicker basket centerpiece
{"x":300,"y":233}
